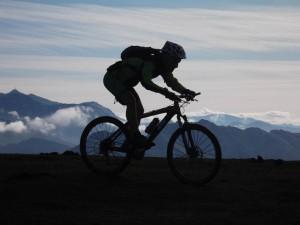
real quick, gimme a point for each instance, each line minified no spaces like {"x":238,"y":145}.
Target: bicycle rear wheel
{"x":101,"y":146}
{"x":194,"y":154}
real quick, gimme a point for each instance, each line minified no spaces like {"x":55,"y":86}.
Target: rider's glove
{"x":172,"y":96}
{"x":189,"y":94}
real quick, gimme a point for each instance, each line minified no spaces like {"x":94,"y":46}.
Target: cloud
{"x":39,"y":125}
{"x":91,"y":67}
{"x":84,"y":65}
{"x":228,"y":85}
{"x":73,"y":116}
{"x":54,"y":44}
{"x":78,"y":116}
{"x":273,"y":117}
{"x":15,"y":114}
{"x":94,"y":26}
{"x":233,"y":70}
{"x":14,"y":127}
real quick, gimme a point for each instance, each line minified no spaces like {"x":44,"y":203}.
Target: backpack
{"x":145,"y":53}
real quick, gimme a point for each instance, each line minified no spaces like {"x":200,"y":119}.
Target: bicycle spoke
{"x":209,"y":144}
{"x":181,"y":148}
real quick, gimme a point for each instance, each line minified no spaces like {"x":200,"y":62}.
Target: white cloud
{"x":227,"y":85}
{"x":14,"y":114}
{"x":233,"y":70}
{"x":15,"y":127}
{"x":73,"y":116}
{"x":273,"y":117}
{"x":194,"y":70}
{"x":252,"y":29}
{"x":78,"y":116}
{"x":85,"y":65}
{"x":39,"y":125}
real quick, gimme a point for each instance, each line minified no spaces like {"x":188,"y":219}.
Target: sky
{"x":242,"y":55}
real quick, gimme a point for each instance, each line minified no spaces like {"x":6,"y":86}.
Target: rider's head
{"x":172,"y":55}
{"x":174,"y":50}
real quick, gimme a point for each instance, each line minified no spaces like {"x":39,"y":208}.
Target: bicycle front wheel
{"x":194,"y":154}
{"x":101,"y":146}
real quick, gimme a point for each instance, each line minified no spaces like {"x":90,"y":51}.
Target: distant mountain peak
{"x":15,"y":91}
{"x":35,"y":106}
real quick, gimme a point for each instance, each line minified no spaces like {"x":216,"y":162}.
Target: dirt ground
{"x":60,"y":190}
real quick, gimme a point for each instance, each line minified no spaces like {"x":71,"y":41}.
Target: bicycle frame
{"x":170,"y":111}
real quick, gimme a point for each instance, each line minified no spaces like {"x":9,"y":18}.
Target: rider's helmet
{"x":174,"y":49}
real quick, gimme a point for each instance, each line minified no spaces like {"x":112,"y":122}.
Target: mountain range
{"x":34,"y":106}
{"x":243,"y":122}
{"x":29,"y":116}
{"x":32,"y":124}
{"x":241,"y":143}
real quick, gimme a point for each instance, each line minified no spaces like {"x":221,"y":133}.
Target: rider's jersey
{"x":135,"y":70}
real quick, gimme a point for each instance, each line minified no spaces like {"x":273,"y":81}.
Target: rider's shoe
{"x":141,"y":144}
{"x":137,"y":145}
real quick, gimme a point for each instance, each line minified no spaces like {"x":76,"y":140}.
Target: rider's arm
{"x":146,"y":79}
{"x":173,"y":83}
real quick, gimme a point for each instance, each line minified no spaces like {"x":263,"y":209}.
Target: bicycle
{"x":193,"y":152}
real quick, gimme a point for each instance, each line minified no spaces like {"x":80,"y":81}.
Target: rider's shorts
{"x":119,"y":81}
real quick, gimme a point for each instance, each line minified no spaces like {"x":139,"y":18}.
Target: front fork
{"x":187,"y":137}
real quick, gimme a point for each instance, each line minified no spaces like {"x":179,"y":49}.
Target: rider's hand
{"x":172,"y":96}
{"x":189,"y":94}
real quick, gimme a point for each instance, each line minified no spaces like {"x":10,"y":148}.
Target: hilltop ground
{"x":60,"y":190}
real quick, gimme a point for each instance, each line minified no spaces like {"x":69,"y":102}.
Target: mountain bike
{"x":193,"y":151}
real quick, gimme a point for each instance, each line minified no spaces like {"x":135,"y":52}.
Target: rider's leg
{"x":139,"y":105}
{"x":128,"y":99}
{"x":133,"y":114}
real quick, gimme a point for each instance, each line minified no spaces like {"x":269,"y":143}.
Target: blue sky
{"x":177,"y":3}
{"x":243,"y":55}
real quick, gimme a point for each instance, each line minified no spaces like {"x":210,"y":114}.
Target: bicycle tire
{"x":101,"y":161}
{"x":176,"y":163}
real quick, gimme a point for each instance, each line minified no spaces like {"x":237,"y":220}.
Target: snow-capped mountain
{"x":242,"y":121}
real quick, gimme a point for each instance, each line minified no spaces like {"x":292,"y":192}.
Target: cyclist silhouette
{"x":142,"y":64}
